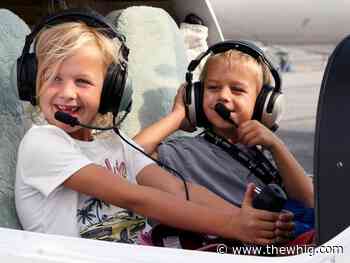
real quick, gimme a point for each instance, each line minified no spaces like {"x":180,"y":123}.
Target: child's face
{"x":233,"y":84}
{"x":75,"y":89}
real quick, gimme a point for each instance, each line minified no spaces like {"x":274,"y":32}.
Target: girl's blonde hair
{"x":54,"y":44}
{"x":235,"y":57}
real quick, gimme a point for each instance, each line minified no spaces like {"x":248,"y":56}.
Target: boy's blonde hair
{"x":56,"y":43}
{"x":236,"y":57}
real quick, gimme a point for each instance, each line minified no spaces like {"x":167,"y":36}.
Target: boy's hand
{"x":285,"y":227}
{"x":180,"y":111}
{"x":256,"y":226}
{"x":179,"y":101}
{"x":262,"y":227}
{"x":253,"y":133}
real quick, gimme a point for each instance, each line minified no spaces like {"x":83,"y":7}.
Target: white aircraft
{"x":270,"y":22}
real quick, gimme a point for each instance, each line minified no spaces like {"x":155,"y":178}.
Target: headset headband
{"x":88,"y":16}
{"x":245,"y":47}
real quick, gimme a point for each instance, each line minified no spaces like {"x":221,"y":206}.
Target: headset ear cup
{"x":269,"y":106}
{"x":273,"y":100}
{"x":106,"y":91}
{"x":273,"y":109}
{"x":260,"y":102}
{"x":113,"y":87}
{"x":119,"y":89}
{"x":202,"y":120}
{"x":26,"y":77}
{"x":126,"y":98}
{"x":194,"y":105}
{"x":190,"y":104}
{"x":198,"y":97}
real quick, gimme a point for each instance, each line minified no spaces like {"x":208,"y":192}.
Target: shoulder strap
{"x":254,"y":160}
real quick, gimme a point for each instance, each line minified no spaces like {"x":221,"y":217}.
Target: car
{"x":121,"y":227}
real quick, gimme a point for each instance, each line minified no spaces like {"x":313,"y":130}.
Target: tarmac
{"x":301,"y":88}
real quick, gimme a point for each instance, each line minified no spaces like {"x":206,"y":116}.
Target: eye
{"x":237,"y":89}
{"x":57,"y":79}
{"x":212,"y":87}
{"x":82,"y":81}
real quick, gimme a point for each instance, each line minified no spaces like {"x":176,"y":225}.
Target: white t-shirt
{"x":47,"y":156}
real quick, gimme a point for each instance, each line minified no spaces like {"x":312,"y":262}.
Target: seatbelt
{"x":255,"y":161}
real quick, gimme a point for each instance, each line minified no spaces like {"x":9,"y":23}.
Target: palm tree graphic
{"x":98,"y":206}
{"x":85,"y":214}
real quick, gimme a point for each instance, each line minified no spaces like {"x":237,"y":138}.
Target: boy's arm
{"x":298,"y":186}
{"x":150,"y":137}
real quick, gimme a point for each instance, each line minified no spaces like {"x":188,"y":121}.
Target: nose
{"x":68,"y":91}
{"x":225,"y":94}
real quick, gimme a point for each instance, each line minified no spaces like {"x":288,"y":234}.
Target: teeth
{"x":67,"y":108}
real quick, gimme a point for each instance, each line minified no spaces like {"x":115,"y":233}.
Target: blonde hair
{"x":236,"y":57}
{"x":54,"y":44}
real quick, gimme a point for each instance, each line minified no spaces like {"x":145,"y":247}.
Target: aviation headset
{"x":269,"y":103}
{"x":115,"y":96}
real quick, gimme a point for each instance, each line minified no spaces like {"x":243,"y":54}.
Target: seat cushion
{"x":12,"y":34}
{"x":157,"y":62}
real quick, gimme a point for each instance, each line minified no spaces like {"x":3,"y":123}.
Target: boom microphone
{"x":224,"y":113}
{"x":73,"y":121}
{"x":66,"y":118}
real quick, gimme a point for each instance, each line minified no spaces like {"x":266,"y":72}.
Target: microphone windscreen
{"x":222,"y":111}
{"x":66,"y":118}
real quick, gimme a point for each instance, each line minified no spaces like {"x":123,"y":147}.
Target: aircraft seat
{"x":157,"y":62}
{"x":12,"y":34}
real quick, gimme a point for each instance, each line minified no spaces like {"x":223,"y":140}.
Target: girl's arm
{"x":248,"y":224}
{"x":156,"y":177}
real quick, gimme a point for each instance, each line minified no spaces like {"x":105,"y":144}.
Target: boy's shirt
{"x":47,"y":157}
{"x":207,"y":164}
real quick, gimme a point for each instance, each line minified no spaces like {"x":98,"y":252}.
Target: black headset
{"x":112,"y":99}
{"x":269,"y":103}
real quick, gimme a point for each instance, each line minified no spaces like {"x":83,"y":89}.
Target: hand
{"x":253,"y":133}
{"x":179,"y":101}
{"x":179,"y":108}
{"x":258,"y":226}
{"x":284,"y":227}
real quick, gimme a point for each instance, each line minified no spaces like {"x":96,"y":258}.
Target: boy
{"x":234,"y":79}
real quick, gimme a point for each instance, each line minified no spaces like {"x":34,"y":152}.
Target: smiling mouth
{"x":67,"y":109}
